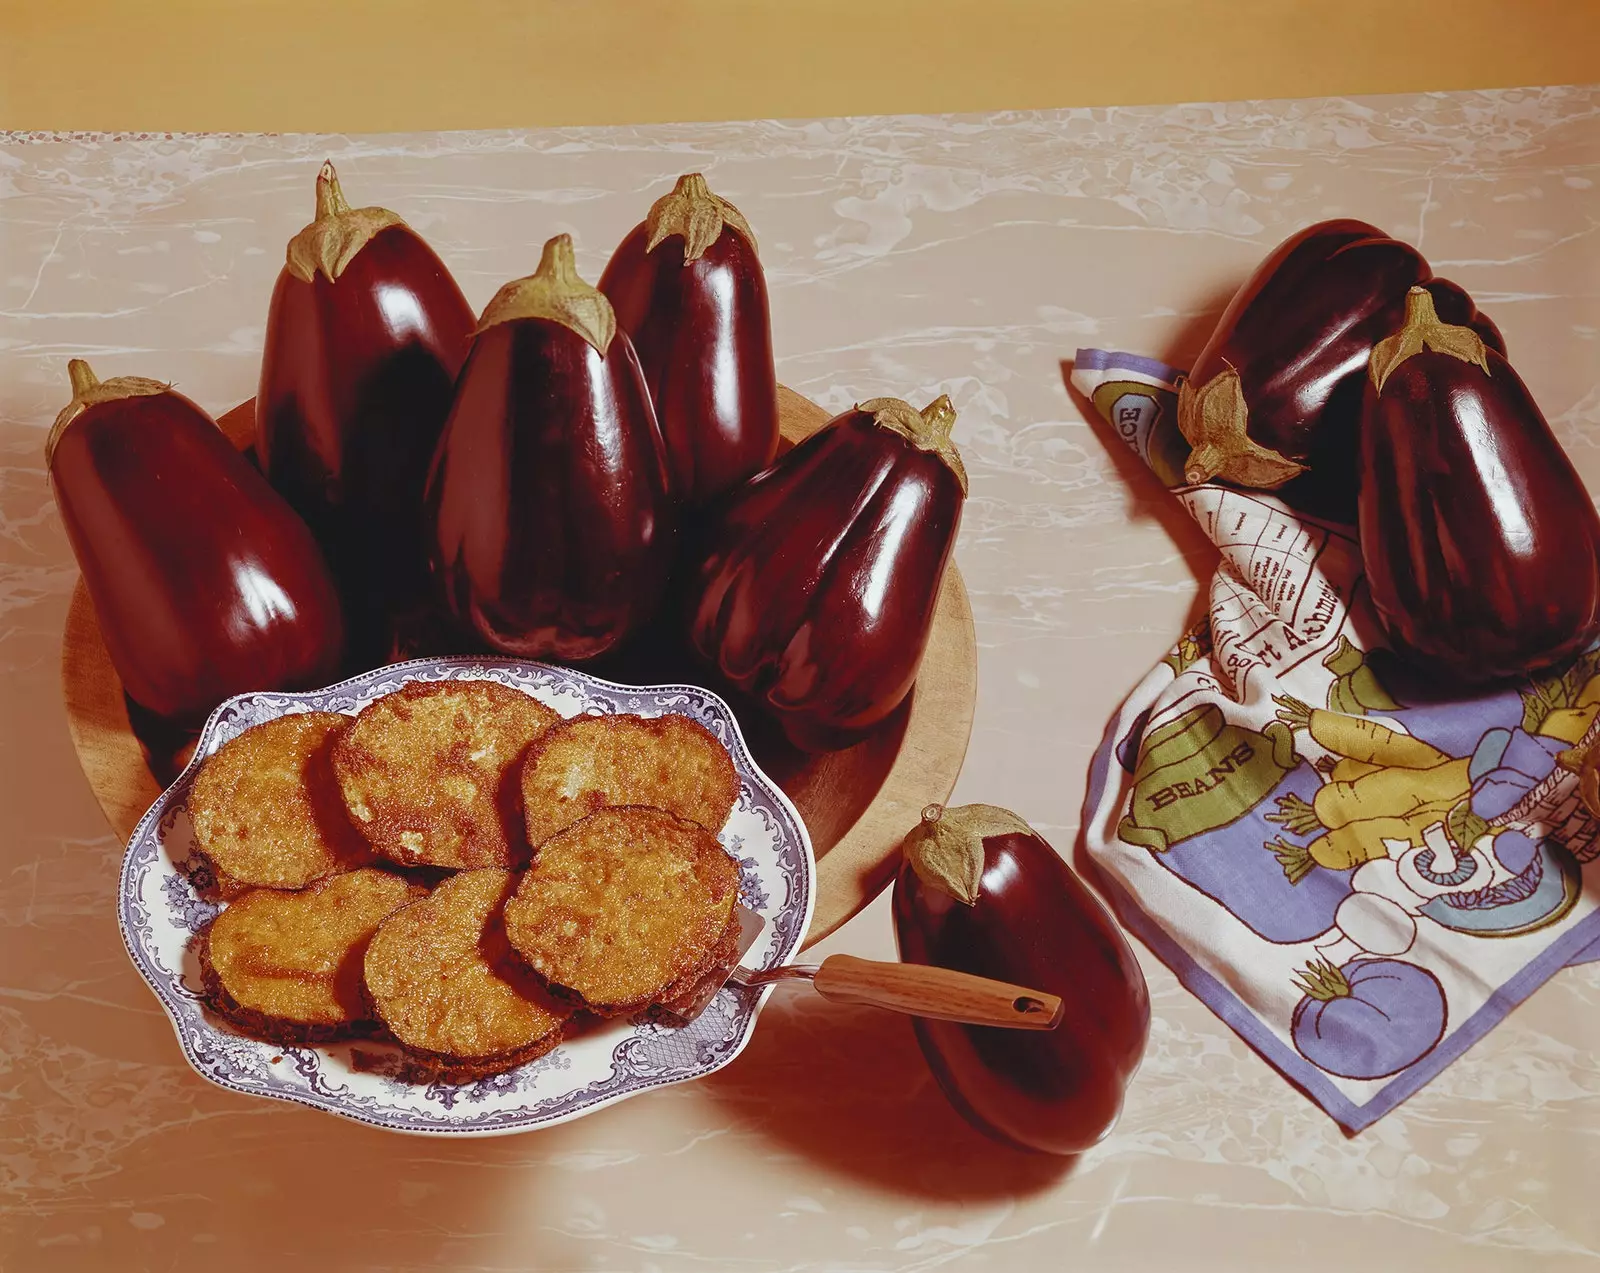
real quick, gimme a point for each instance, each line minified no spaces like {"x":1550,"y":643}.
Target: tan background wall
{"x":364,"y":65}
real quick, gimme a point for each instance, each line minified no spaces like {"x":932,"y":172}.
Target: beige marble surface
{"x":906,"y":256}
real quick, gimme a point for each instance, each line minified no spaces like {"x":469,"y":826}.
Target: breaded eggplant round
{"x":441,"y":976}
{"x":429,"y":773}
{"x":596,"y":762}
{"x":266,"y":810}
{"x":626,"y":909}
{"x":288,"y":966}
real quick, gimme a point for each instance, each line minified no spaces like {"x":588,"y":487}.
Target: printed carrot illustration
{"x":1386,"y":785}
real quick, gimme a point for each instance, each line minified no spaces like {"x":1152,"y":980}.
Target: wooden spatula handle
{"x":921,"y":990}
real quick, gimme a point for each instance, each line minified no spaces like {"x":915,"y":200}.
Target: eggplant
{"x":981,"y":892}
{"x":1274,"y":399}
{"x":552,"y":525}
{"x":204,"y":581}
{"x":688,"y":289}
{"x":1481,"y":545}
{"x":815,"y":587}
{"x":365,"y":336}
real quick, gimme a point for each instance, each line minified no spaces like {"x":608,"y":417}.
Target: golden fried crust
{"x":623,"y":908}
{"x":594,"y":762}
{"x":429,"y":773}
{"x":681,"y":994}
{"x":287,"y":966}
{"x":441,"y":976}
{"x":265,"y":808}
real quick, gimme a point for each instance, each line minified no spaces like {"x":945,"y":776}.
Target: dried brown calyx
{"x":1423,"y":329}
{"x":946,"y":851}
{"x":927,"y":430}
{"x":696,"y":215}
{"x":339,"y":231}
{"x":555,"y":292}
{"x":88,"y":389}
{"x":1215,"y":420}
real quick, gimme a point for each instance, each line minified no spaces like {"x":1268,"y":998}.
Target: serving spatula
{"x":919,"y":990}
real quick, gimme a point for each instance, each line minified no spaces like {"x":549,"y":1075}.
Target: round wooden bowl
{"x":857,"y":803}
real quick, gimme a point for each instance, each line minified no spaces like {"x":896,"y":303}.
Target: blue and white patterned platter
{"x":165,"y":902}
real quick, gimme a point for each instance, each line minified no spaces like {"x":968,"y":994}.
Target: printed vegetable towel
{"x":1361,"y":876}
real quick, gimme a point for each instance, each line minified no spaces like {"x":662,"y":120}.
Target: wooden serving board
{"x":857,"y":804}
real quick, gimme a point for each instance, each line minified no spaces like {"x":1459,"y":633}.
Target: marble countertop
{"x":906,"y":256}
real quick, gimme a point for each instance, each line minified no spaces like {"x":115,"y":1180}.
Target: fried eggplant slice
{"x":442,"y":977}
{"x":595,"y":762}
{"x":625,"y":910}
{"x":287,"y":966}
{"x":266,"y":810}
{"x":429,"y":773}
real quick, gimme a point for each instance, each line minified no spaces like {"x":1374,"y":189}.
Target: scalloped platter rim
{"x":163,"y":907}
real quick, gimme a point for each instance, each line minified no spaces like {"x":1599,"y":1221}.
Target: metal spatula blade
{"x":919,"y":990}
{"x":717,"y":975}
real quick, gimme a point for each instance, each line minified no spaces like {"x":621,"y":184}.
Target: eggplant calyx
{"x":1322,"y":981}
{"x":554,"y":292}
{"x":1424,"y":329}
{"x":696,"y":215}
{"x":339,"y":231}
{"x":927,"y":430}
{"x":1214,"y":419}
{"x":88,"y":389}
{"x":945,"y":849}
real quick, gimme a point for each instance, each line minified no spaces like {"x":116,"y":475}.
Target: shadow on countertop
{"x":847,"y":1088}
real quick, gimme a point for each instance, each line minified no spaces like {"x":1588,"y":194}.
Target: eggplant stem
{"x":1204,"y":463}
{"x":1215,"y":421}
{"x":1423,"y":329}
{"x":946,"y":849}
{"x":330,"y":198}
{"x":82,"y":377}
{"x":554,"y":292}
{"x":695,"y":215}
{"x":87,"y":390}
{"x":336,"y":234}
{"x":927,"y":430}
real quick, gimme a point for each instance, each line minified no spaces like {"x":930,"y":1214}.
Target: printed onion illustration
{"x":1369,"y":1019}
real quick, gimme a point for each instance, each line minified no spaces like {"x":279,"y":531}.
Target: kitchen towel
{"x":1361,"y":874}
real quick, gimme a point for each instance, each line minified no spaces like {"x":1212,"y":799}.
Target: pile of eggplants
{"x":523,"y":481}
{"x":557,"y":478}
{"x":1360,"y":389}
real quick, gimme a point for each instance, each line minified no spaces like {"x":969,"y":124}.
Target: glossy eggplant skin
{"x":1298,"y":334}
{"x":818,"y":580}
{"x":1455,"y":306}
{"x":1034,"y":924}
{"x":356,"y":381}
{"x":552,"y":527}
{"x":204,"y":581}
{"x":703,"y":333}
{"x":1481,"y":545}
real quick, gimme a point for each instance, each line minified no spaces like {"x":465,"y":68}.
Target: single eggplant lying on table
{"x":981,"y":892}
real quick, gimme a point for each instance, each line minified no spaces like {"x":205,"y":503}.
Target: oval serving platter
{"x":166,"y":901}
